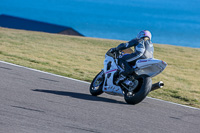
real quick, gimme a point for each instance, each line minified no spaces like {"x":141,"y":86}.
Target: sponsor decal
{"x":140,"y":61}
{"x":110,"y":71}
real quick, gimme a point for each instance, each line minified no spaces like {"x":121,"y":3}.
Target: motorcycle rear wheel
{"x":97,"y":84}
{"x":140,"y":92}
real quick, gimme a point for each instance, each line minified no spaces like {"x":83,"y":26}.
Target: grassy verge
{"x":82,"y":58}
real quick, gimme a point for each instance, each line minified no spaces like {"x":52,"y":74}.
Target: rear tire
{"x":97,"y":84}
{"x":142,"y":91}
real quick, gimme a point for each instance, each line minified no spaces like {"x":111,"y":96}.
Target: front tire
{"x":141,"y":92}
{"x":97,"y":84}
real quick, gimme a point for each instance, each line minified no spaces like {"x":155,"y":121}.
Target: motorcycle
{"x":134,"y":88}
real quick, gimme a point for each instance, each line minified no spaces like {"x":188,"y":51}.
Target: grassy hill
{"x":82,"y":58}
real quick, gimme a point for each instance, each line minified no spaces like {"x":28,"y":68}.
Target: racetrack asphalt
{"x":37,"y":102}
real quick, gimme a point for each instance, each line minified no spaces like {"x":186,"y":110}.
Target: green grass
{"x":82,"y":58}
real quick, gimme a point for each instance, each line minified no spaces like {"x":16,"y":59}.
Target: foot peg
{"x":121,"y":78}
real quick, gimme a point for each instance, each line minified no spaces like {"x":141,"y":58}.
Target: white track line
{"x":43,"y":72}
{"x":88,"y":83}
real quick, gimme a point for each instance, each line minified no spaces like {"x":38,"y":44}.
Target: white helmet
{"x":144,"y":33}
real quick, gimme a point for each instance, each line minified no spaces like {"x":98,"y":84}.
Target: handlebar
{"x":115,"y":54}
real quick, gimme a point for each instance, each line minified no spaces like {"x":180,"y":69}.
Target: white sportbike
{"x":135,"y":87}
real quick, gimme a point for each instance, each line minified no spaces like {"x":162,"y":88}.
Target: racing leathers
{"x":143,"y":49}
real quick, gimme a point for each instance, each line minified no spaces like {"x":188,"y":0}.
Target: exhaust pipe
{"x":156,"y":86}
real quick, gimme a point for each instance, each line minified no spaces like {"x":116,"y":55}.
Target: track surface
{"x":37,"y":102}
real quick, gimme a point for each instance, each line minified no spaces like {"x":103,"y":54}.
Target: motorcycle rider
{"x":143,"y":49}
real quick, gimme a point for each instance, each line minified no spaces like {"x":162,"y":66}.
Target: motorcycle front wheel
{"x":97,"y":84}
{"x":140,"y":92}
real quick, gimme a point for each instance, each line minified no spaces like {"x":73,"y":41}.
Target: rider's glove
{"x":112,"y":50}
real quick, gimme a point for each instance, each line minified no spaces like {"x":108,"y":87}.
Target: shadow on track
{"x":79,"y":96}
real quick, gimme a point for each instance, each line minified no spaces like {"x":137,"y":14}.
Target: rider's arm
{"x":129,"y":44}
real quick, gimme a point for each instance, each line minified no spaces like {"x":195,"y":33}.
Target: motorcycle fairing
{"x":150,"y":67}
{"x":109,"y":72}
